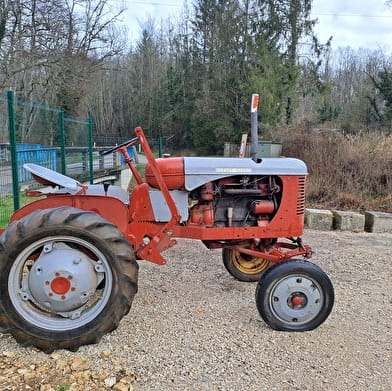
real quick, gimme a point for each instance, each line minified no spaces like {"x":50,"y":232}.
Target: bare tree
{"x":49,"y":50}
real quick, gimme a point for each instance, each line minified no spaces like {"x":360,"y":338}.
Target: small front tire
{"x":295,"y":295}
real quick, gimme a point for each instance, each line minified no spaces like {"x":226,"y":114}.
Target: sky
{"x":356,"y":23}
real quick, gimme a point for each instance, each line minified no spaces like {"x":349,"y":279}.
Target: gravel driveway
{"x":193,"y":327}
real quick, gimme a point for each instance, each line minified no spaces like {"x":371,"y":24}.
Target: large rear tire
{"x":295,"y":295}
{"x":67,"y":277}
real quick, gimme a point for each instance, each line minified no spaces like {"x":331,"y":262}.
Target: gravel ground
{"x":193,"y":327}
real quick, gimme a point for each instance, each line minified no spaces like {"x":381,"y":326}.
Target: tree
{"x":383,"y":82}
{"x":351,"y":98}
{"x":49,"y":49}
{"x":288,"y":25}
{"x":91,"y":38}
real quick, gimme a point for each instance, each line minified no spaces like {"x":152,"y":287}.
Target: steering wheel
{"x":117,"y":147}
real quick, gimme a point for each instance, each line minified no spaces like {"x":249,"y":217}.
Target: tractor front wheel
{"x":67,"y":277}
{"x":244,"y":267}
{"x":295,"y":295}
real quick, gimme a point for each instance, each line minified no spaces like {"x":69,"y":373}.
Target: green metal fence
{"x":41,"y":134}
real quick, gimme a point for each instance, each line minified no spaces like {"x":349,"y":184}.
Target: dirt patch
{"x":193,"y":327}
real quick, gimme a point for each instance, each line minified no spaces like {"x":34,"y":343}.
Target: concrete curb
{"x":378,"y":222}
{"x":370,"y":221}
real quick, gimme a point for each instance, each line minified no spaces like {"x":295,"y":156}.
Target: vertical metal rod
{"x":254,"y":127}
{"x":14,"y":158}
{"x":62,"y":142}
{"x":160,"y":146}
{"x":90,"y":150}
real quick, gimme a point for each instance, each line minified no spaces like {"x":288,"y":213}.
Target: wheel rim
{"x":296,"y":299}
{"x":53,"y":283}
{"x":248,"y":264}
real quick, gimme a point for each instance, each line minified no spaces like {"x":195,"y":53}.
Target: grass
{"x":7,"y":206}
{"x":78,"y":158}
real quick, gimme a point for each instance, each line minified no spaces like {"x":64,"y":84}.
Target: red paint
{"x":60,"y":285}
{"x":172,"y":170}
{"x":150,"y":238}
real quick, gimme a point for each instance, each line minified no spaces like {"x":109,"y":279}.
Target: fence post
{"x":84,"y":160}
{"x":62,"y":142}
{"x":160,"y":146}
{"x":90,"y":149}
{"x":14,"y":158}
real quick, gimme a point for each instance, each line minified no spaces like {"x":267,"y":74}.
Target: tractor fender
{"x":110,"y":208}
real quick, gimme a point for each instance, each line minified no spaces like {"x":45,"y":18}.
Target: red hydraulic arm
{"x":162,"y":238}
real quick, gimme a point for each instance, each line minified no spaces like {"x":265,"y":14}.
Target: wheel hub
{"x":61,"y":285}
{"x":62,"y":279}
{"x":248,"y":264}
{"x":296,"y":299}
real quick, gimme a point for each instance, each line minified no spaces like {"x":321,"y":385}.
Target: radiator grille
{"x":301,"y":195}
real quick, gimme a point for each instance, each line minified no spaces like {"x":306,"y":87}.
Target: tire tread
{"x":80,"y":220}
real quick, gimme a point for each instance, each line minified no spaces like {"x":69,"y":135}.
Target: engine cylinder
{"x":263,"y":207}
{"x":207,"y":192}
{"x":203,"y":214}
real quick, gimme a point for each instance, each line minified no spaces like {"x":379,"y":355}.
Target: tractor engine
{"x":230,"y":192}
{"x":236,"y":201}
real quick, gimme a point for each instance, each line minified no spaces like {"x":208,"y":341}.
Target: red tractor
{"x":68,"y":270}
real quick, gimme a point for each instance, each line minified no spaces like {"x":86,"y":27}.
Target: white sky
{"x":355,"y":23}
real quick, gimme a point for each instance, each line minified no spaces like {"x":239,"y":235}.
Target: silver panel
{"x":199,"y":170}
{"x":161,"y":209}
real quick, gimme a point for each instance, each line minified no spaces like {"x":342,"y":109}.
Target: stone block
{"x":348,"y":221}
{"x":378,"y":221}
{"x":319,"y":219}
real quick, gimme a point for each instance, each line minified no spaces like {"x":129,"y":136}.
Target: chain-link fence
{"x":6,"y":196}
{"x":40,"y":134}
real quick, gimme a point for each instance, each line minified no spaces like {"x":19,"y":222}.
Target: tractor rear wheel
{"x":295,"y":295}
{"x":244,"y":267}
{"x":67,"y":277}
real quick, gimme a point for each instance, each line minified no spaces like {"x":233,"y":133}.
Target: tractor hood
{"x":199,"y":170}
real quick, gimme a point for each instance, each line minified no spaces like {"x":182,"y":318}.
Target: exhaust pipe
{"x":254,"y":127}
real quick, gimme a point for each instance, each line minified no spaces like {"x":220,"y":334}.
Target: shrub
{"x":345,"y":171}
